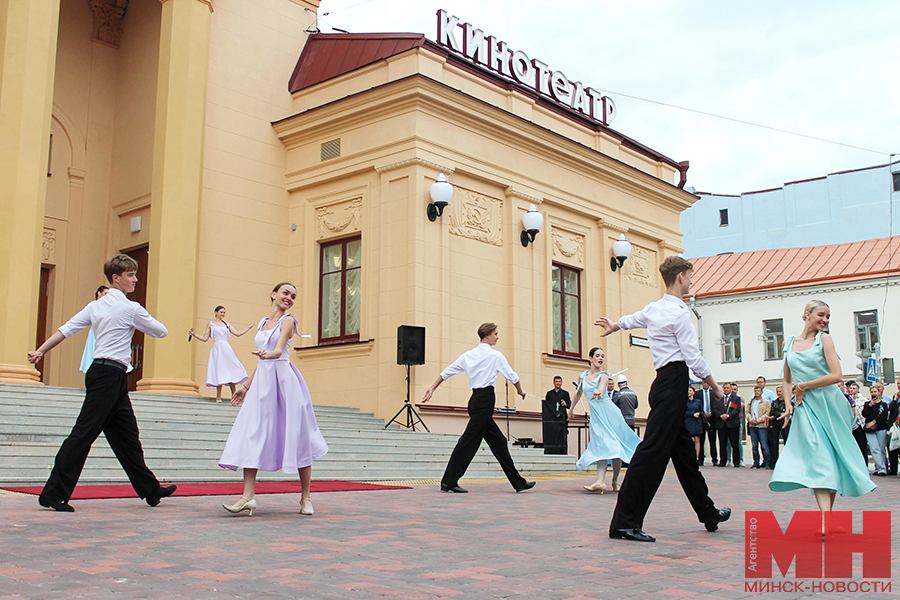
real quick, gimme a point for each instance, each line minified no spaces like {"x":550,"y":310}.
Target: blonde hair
{"x":813,"y":305}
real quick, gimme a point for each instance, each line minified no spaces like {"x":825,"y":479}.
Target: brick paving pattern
{"x":549,"y":543}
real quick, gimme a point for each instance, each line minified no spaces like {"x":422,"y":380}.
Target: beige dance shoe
{"x":241,"y":505}
{"x":306,"y":507}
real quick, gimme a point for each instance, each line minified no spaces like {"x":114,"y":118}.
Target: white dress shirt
{"x":769,"y":395}
{"x":670,"y":332}
{"x":481,"y":364}
{"x":114,"y":319}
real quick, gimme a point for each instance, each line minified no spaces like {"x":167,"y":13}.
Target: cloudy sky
{"x":826,"y":69}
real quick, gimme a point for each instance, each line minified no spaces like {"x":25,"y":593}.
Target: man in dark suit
{"x":555,"y":415}
{"x":710,"y":432}
{"x":727,"y":415}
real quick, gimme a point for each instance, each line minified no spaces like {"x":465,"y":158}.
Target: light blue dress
{"x":87,"y":357}
{"x":610,"y":437}
{"x":821,"y":452}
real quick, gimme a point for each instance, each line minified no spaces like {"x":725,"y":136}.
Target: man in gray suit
{"x":626,"y":400}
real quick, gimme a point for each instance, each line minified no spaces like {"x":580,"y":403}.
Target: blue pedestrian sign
{"x":870,"y":370}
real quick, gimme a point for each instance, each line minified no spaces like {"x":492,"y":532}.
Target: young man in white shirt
{"x":481,"y":364}
{"x":673,"y":346}
{"x":106,"y":407}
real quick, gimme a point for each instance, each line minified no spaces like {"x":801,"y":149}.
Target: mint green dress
{"x":820,"y":451}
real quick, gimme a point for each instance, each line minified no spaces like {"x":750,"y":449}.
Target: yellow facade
{"x":182,"y":117}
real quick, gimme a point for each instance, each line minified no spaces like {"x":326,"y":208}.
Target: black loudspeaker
{"x":410,"y":345}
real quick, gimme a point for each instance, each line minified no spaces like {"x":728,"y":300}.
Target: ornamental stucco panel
{"x":641,"y":266}
{"x":568,"y":247}
{"x":338,"y":218}
{"x":476,"y":216}
{"x":48,"y":246}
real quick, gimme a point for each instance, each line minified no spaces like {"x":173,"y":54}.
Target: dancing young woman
{"x":276,"y":429}
{"x":611,"y":438}
{"x":87,"y":357}
{"x":820,"y":453}
{"x":223,"y":368}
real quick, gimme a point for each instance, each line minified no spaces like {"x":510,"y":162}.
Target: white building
{"x":843,"y":207}
{"x":748,"y":303}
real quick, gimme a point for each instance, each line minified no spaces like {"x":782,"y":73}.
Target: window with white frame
{"x":773,"y":331}
{"x":566,"y":300}
{"x":731,"y":342}
{"x":866,"y":329}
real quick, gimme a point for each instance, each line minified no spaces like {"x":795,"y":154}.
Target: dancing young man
{"x":106,"y":407}
{"x":481,"y":364}
{"x":673,"y":346}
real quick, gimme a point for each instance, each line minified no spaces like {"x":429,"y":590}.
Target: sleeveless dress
{"x":87,"y":357}
{"x":610,"y":437}
{"x":224,"y":366}
{"x":821,"y":451}
{"x":276,"y":428}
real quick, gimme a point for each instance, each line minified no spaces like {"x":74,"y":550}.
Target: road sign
{"x":870,"y":371}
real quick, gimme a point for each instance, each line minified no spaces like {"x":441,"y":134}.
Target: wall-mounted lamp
{"x":532,"y":222}
{"x":621,"y":251}
{"x":441,"y":194}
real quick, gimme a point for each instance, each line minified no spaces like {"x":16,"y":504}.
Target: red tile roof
{"x":728,"y":274}
{"x":326,"y":55}
{"x":329,"y":55}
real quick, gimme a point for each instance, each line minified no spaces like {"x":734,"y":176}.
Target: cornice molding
{"x":208,"y":3}
{"x":514,"y":193}
{"x":416,"y":162}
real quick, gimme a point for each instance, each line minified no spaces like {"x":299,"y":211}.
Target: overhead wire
{"x":750,"y":123}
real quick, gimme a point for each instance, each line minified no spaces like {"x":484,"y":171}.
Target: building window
{"x":723,"y":217}
{"x":731,"y":342}
{"x":896,"y":177}
{"x":566,"y":311}
{"x":773,"y":331}
{"x":339,"y":296}
{"x":866,"y":329}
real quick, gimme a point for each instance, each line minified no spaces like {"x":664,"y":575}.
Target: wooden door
{"x":141,"y":255}
{"x":43,"y":308}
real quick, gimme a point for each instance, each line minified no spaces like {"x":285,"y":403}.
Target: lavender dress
{"x":224,"y":366}
{"x":276,"y":428}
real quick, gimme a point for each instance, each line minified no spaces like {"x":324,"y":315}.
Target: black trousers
{"x":481,"y":427}
{"x":730,"y":434}
{"x":665,"y":438}
{"x":859,"y":434}
{"x":106,"y":408}
{"x":774,"y":438}
{"x":711,"y":437}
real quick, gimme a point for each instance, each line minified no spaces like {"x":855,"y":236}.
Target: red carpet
{"x":88,"y":492}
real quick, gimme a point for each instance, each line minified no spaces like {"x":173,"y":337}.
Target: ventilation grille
{"x":331,"y":150}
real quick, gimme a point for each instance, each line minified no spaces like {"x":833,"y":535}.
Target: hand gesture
{"x":717,"y":392}
{"x":606,"y":324}
{"x":798,"y":394}
{"x":521,"y":393}
{"x":427,"y":395}
{"x":260,"y":353}
{"x":35,"y":357}
{"x":238,"y":396}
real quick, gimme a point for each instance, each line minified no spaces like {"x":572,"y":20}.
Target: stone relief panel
{"x":109,"y":16}
{"x":641,"y":266}
{"x":338,"y":218}
{"x":568,"y":247}
{"x":48,"y":246}
{"x":475,"y":216}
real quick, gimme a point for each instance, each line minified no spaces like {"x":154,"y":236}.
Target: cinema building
{"x":227,"y":148}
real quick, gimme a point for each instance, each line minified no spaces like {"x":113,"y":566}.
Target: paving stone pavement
{"x":548,"y":543}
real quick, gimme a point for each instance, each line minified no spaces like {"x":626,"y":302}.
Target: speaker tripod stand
{"x":412,"y":417}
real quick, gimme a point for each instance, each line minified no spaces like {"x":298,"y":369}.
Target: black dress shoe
{"x":635,"y":535}
{"x":720,"y":516}
{"x":453,"y":488}
{"x":528,"y":485}
{"x":55,"y":504}
{"x":154,"y":498}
